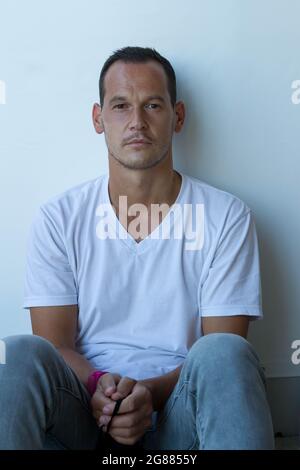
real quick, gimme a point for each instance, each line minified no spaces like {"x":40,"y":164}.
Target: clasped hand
{"x":134,"y":417}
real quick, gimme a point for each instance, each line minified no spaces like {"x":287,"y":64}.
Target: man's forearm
{"x":161,"y":387}
{"x":78,"y":363}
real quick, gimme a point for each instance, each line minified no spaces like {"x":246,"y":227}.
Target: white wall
{"x":235,"y":61}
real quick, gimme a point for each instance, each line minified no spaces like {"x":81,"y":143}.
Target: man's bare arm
{"x":59,"y":326}
{"x":161,"y":387}
{"x":237,"y":324}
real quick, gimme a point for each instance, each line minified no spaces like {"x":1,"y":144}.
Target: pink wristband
{"x":93,"y":380}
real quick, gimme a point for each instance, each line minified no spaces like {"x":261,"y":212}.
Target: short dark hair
{"x":139,"y":55}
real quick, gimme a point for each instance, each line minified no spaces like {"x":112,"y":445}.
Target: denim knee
{"x":24,"y":350}
{"x":220,"y":351}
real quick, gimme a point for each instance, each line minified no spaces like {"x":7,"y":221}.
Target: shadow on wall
{"x":191,"y":136}
{"x":283,"y":389}
{"x":284,"y":399}
{"x":274,"y":335}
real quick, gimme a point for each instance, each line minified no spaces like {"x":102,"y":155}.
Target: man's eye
{"x":153,"y":104}
{"x":123,"y":105}
{"x":120,"y":106}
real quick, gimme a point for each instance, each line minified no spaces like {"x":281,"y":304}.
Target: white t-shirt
{"x":140,"y":304}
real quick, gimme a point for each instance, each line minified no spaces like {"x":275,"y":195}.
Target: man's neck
{"x":162,"y":188}
{"x":144,"y":188}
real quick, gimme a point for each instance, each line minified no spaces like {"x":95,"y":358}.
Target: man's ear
{"x":180,"y":116}
{"x":97,"y":119}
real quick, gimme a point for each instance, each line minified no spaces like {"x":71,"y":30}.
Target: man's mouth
{"x":138,"y":143}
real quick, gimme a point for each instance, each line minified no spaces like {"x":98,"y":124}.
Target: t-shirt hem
{"x":254,"y":311}
{"x":49,"y":301}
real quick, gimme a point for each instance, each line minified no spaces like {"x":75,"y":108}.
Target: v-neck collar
{"x":127,"y":238}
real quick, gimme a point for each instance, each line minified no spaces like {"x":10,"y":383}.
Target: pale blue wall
{"x":236,"y":62}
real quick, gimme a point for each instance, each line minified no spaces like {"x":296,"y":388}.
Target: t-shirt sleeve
{"x":233,"y":285}
{"x":49,"y":280}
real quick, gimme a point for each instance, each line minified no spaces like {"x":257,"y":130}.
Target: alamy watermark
{"x":188,"y":222}
{"x":2,"y":92}
{"x":295,"y":358}
{"x":295,"y":97}
{"x":2,"y":352}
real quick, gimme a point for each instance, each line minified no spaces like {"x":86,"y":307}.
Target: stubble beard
{"x":138,"y":165}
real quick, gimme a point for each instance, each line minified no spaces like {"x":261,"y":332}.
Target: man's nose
{"x":138,"y":119}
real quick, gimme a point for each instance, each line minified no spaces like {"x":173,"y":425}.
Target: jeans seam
{"x":197,"y":438}
{"x":165,"y":416}
{"x":201,"y":427}
{"x":193,"y":445}
{"x":55,"y":407}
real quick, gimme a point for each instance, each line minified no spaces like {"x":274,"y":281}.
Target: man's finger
{"x":139,"y":429}
{"x":124,"y":420}
{"x":98,"y":402}
{"x":127,"y":437}
{"x":133,"y":401}
{"x":124,"y":388}
{"x":108,"y":383}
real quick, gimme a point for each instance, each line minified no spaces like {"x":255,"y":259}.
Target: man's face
{"x":137,"y":106}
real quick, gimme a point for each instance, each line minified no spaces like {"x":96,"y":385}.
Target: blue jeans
{"x":219,"y":401}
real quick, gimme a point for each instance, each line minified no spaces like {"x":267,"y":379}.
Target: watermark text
{"x":295,"y":358}
{"x":188,"y":222}
{"x":295,"y":97}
